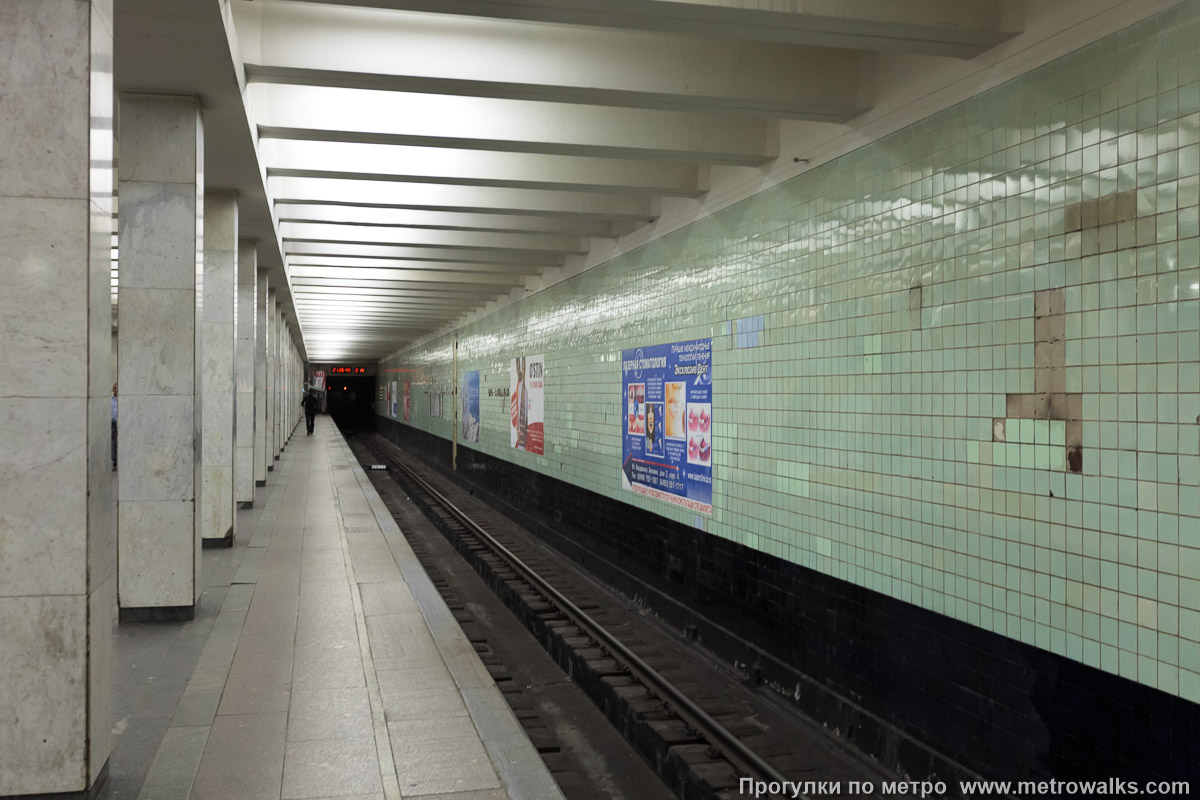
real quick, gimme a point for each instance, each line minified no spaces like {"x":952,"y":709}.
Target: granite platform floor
{"x":322,"y":663}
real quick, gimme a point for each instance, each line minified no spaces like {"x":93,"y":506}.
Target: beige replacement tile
{"x":329,"y":714}
{"x":419,"y":704}
{"x":243,"y":758}
{"x":330,"y":767}
{"x":328,"y":665}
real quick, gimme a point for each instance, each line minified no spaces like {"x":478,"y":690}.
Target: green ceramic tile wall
{"x":857,"y":438}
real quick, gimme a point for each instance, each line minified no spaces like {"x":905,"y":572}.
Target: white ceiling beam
{"x":444,"y":220}
{"x":429,"y":316}
{"x":351,"y":322}
{"x":355,"y":303}
{"x":422,"y":280}
{"x":438,"y":54}
{"x":959,"y":28}
{"x":432,"y":288}
{"x":420,"y":237}
{"x":336,"y":345}
{"x":347,"y":336}
{"x":525,"y":258}
{"x":399,"y":288}
{"x":363,"y":339}
{"x":464,"y":199}
{"x":403,"y":164}
{"x":391,"y":298}
{"x":415,"y":288}
{"x":350,"y":308}
{"x":366,"y":301}
{"x":338,"y":351}
{"x":346,"y":345}
{"x":353,"y":267}
{"x":583,"y":180}
{"x":518,"y":126}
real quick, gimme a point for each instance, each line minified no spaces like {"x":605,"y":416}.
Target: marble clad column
{"x":243,"y":426}
{"x":217,"y":387}
{"x":57,"y":556}
{"x":297,"y":387}
{"x":285,"y":396}
{"x":272,"y":380}
{"x":285,"y":368}
{"x":280,"y":377}
{"x":297,"y":413}
{"x":161,"y":354}
{"x":298,"y":371}
{"x":288,"y":387}
{"x":262,"y":365}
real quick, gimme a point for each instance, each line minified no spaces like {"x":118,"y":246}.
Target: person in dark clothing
{"x":310,"y":404}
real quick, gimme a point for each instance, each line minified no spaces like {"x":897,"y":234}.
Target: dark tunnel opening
{"x":350,"y":402}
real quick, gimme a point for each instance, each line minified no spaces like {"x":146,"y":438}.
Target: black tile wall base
{"x":242,"y":504}
{"x":923,"y":693}
{"x":262,"y":482}
{"x":91,"y":793}
{"x":224,"y":541}
{"x":157,"y":614}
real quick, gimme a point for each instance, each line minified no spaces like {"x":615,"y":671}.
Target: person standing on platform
{"x":310,"y":403}
{"x":114,"y":427}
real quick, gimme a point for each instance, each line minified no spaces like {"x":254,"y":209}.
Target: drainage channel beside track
{"x":696,"y":724}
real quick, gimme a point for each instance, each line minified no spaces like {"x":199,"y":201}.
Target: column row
{"x":57,"y":553}
{"x":109,"y":495}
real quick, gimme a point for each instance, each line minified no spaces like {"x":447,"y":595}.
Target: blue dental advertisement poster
{"x":469,"y":415}
{"x":666,"y":449}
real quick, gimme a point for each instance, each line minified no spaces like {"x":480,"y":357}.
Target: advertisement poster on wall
{"x":318,"y":380}
{"x":387,"y":398}
{"x":666,"y":444}
{"x":469,"y":414}
{"x":395,"y":397}
{"x":526,"y":387}
{"x":407,"y":401}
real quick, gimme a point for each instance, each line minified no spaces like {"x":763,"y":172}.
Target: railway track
{"x":702,"y":729}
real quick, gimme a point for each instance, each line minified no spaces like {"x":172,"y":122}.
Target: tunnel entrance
{"x":351,"y":401}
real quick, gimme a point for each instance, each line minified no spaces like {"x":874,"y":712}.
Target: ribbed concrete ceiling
{"x":424,"y":157}
{"x":182,"y":47}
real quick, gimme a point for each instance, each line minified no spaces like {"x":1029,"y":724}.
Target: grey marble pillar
{"x":286,"y":403}
{"x":300,"y":378}
{"x":243,"y":426}
{"x":298,"y":371}
{"x":161,"y":353}
{"x":57,"y":555}
{"x":217,"y":388}
{"x":262,"y":370}
{"x":272,"y":380}
{"x":293,"y":395}
{"x":284,"y":381}
{"x":281,"y":376}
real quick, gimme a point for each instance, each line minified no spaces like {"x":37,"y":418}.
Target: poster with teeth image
{"x":666,"y":435}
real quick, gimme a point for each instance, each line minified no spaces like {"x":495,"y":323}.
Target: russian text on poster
{"x":666,"y":453}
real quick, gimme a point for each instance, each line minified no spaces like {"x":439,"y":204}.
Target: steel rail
{"x":716,"y":734}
